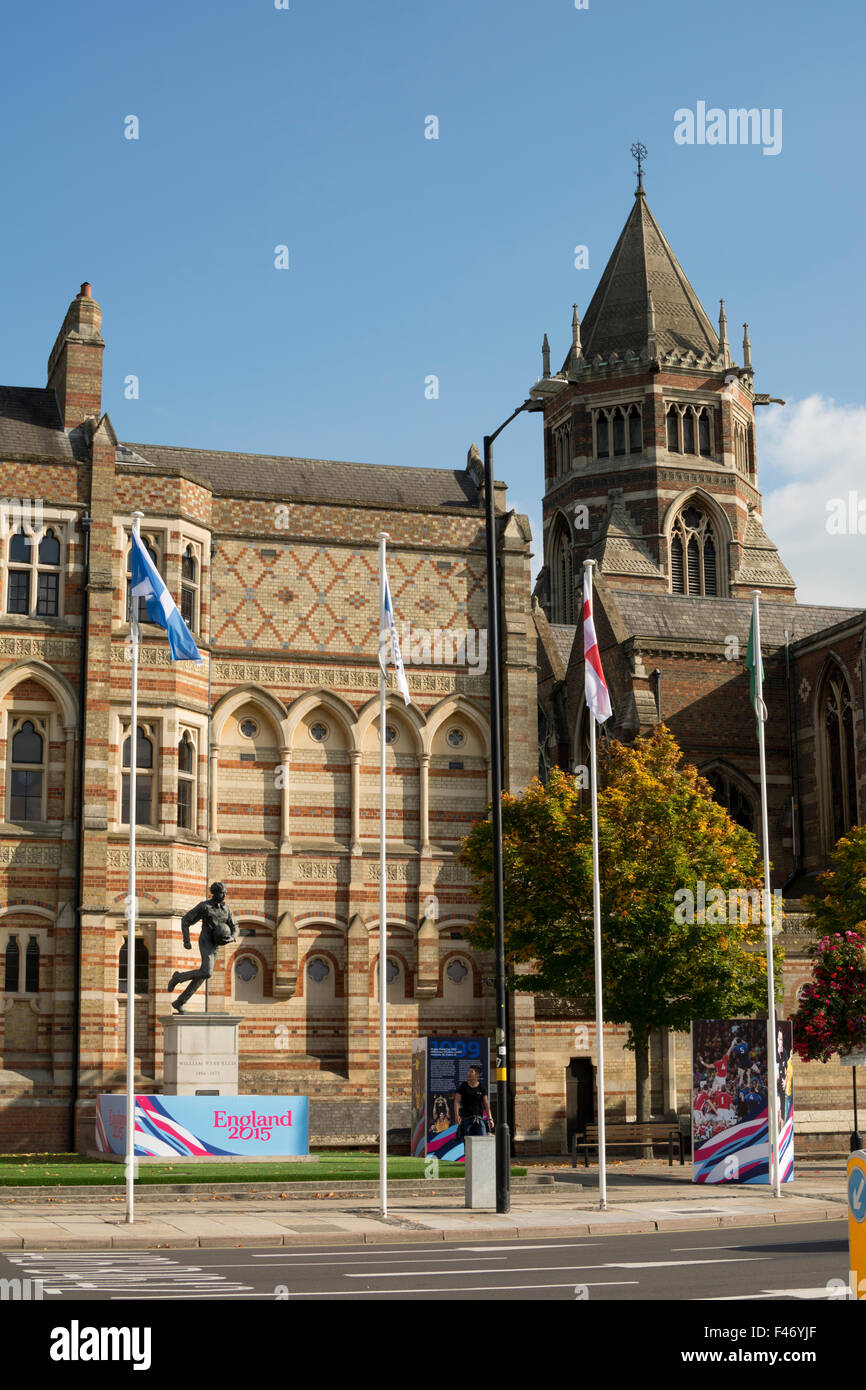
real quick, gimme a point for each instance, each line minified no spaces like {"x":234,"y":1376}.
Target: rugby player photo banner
{"x":730,"y":1100}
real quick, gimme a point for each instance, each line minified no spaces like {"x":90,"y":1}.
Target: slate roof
{"x":563,"y":636}
{"x":620,"y":548}
{"x":30,"y":423}
{"x":760,"y":562}
{"x":674,"y":616}
{"x":617,"y":319}
{"x":314,"y":480}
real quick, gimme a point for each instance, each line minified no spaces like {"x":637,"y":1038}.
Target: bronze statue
{"x":218,"y":928}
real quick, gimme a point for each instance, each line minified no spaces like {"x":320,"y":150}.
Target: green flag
{"x":751,"y":667}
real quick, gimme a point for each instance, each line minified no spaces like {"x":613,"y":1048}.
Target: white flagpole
{"x":383,"y":907}
{"x":134,"y":637}
{"x":772,"y":1058}
{"x":596,"y":937}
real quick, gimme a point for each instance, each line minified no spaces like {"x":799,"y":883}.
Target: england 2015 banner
{"x":439,"y":1067}
{"x":730,"y":1100}
{"x":205,"y":1126}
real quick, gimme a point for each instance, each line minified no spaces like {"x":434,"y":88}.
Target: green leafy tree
{"x":666,"y":960}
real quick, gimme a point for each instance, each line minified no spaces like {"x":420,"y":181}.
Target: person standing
{"x":472,"y":1107}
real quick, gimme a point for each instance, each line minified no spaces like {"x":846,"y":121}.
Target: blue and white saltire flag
{"x":390,"y":630}
{"x":147,"y":583}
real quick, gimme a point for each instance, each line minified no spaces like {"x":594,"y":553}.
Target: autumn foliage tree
{"x":660,"y":832}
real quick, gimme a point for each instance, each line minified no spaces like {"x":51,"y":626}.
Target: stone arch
{"x":560,"y":565}
{"x":369,"y":713}
{"x":233,"y":700}
{"x":703,"y":501}
{"x":454,"y":706}
{"x":54,"y":683}
{"x":741,"y":782}
{"x":334,"y":703}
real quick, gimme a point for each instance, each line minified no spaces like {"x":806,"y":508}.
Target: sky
{"x":413,"y":258}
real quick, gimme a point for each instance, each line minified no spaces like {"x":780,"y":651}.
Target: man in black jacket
{"x":218,"y":928}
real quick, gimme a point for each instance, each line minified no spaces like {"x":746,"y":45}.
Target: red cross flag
{"x":597,"y":697}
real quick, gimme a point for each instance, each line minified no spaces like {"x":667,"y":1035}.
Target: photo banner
{"x":730,"y":1097}
{"x":439,"y":1067}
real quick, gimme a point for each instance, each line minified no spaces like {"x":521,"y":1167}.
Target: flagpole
{"x":134,"y":637}
{"x":383,"y":907}
{"x":596,"y":938}
{"x":772,"y":1058}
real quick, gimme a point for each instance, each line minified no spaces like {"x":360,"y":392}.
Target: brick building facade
{"x":651,"y":470}
{"x":260,"y":768}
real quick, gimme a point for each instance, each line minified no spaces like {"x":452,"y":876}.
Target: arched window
{"x":144,"y":779}
{"x":12,"y":966}
{"x":186,"y":798}
{"x":694,"y":554}
{"x":688,"y":430}
{"x":149,"y":545}
{"x":561,"y":576}
{"x":837,"y":731}
{"x":635,"y":430}
{"x":142,"y":967}
{"x":27,"y":780}
{"x":728,"y":794}
{"x":704,"y":440}
{"x":189,"y":588}
{"x":602,"y":436}
{"x":33,"y":583}
{"x":31,"y":967}
{"x":618,"y":432}
{"x":673,"y":426}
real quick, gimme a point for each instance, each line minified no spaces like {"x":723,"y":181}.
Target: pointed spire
{"x":545,"y":358}
{"x":639,"y":153}
{"x":575,"y":334}
{"x":747,"y":348}
{"x":723,"y":335}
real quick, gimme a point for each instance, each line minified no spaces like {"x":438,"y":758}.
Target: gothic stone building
{"x":651,"y":470}
{"x":260,"y":768}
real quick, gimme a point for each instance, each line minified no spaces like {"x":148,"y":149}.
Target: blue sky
{"x":411,"y":257}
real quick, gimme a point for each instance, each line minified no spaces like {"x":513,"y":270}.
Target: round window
{"x":318,"y":970}
{"x":456,"y":737}
{"x":246,"y":969}
{"x":249,"y":728}
{"x":456,"y":971}
{"x":319,"y":731}
{"x":390,"y":733}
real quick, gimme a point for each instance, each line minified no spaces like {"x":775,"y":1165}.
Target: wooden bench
{"x":630,"y":1135}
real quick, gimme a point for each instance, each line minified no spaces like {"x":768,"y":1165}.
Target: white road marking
{"x":457,"y":1293}
{"x":822,"y":1292}
{"x":537,"y":1269}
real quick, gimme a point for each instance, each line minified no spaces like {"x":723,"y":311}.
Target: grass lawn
{"x":68,"y":1170}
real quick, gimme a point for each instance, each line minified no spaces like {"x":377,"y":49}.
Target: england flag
{"x":147,"y":583}
{"x":597,"y":697}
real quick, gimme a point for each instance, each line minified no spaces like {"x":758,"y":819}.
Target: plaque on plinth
{"x":201,"y":1054}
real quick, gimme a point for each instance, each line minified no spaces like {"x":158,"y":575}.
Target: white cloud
{"x":813,"y":454}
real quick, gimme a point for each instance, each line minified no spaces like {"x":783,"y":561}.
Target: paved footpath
{"x":642,"y":1197}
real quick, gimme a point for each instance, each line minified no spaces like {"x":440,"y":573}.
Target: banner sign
{"x":205,"y":1126}
{"x":730,"y":1116}
{"x":439,"y":1067}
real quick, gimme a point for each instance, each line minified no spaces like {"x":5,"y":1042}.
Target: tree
{"x":831,"y":1017}
{"x":843,"y":906}
{"x":680,"y":895}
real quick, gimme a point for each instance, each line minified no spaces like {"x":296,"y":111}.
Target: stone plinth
{"x":201,"y":1054}
{"x":481,"y":1171}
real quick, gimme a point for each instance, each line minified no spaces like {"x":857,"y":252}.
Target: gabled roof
{"x":617,"y":319}
{"x":31,"y":424}
{"x":312,"y":480}
{"x":620,"y":548}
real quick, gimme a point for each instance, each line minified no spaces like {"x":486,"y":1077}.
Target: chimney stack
{"x":75,"y":364}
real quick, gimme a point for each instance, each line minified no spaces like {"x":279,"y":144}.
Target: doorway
{"x":579,"y":1099}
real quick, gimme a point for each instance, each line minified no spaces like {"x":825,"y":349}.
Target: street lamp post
{"x":503,"y":1134}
